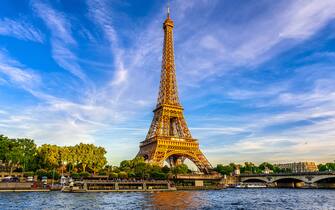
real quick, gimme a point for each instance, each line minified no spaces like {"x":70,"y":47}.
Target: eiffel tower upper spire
{"x":168,"y":92}
{"x":168,"y":10}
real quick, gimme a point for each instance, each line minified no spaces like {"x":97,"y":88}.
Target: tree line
{"x":327,"y":167}
{"x":80,"y":160}
{"x":22,"y":155}
{"x":139,"y":169}
{"x":251,"y":168}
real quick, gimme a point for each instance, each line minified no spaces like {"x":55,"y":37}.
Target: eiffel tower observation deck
{"x":169,"y":138}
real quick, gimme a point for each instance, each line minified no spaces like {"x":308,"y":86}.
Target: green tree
{"x":326,"y":167}
{"x":65,"y":157}
{"x":99,"y":159}
{"x":17,"y":152}
{"x":250,"y":168}
{"x":84,"y":155}
{"x":180,"y":169}
{"x":166,"y":169}
{"x":4,"y":148}
{"x":49,"y":156}
{"x":156,"y":172}
{"x":225,"y":170}
{"x":123,"y":175}
{"x":84,"y":174}
{"x":142,"y":170}
{"x":41,"y":172}
{"x":53,"y":174}
{"x":28,"y":149}
{"x":266,"y":165}
{"x":125,"y":165}
{"x":75,"y":175}
{"x":330,"y":166}
{"x":90,"y":156}
{"x":14,"y":155}
{"x":113,"y":175}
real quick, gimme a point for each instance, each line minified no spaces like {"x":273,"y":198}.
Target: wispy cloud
{"x":225,"y":46}
{"x":20,"y":30}
{"x":306,"y":18}
{"x":129,"y":62}
{"x":99,"y":11}
{"x":61,"y":39}
{"x":17,"y":73}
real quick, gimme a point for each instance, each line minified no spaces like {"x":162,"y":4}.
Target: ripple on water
{"x":223,"y":199}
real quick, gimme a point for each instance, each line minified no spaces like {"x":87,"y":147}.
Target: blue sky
{"x":256,"y":78}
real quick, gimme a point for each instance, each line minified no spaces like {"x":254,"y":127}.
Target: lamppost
{"x":53,"y":177}
{"x":24,"y":158}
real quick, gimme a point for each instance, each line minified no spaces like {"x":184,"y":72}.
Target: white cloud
{"x":299,"y":20}
{"x":219,"y":130}
{"x":56,"y":21}
{"x":20,"y":30}
{"x":120,"y":77}
{"x":61,"y":39}
{"x":276,"y":149}
{"x":17,"y":73}
{"x":220,"y":45}
{"x":307,"y":17}
{"x":66,"y":59}
{"x":98,"y":11}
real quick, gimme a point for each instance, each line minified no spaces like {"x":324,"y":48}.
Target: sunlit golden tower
{"x":169,"y":137}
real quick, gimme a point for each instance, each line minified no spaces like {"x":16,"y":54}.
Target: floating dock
{"x":19,"y":187}
{"x":114,"y":186}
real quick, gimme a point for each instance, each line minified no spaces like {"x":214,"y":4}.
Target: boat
{"x":114,"y":186}
{"x":251,"y":185}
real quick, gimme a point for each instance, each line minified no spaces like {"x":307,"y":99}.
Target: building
{"x":267,"y":170}
{"x":299,"y":167}
{"x":169,"y":138}
{"x":236,"y":171}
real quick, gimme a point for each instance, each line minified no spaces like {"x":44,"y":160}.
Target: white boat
{"x":251,"y":185}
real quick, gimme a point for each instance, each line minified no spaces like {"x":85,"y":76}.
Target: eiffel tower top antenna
{"x":168,"y":9}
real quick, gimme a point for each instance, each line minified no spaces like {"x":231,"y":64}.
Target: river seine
{"x":223,"y":199}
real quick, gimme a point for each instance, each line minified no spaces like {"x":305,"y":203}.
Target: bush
{"x":158,"y":175}
{"x":53,"y":174}
{"x":123,"y":175}
{"x":166,"y":169}
{"x":102,"y":173}
{"x":113,"y":175}
{"x":41,"y":172}
{"x":19,"y":170}
{"x":131,"y":174}
{"x":84,"y":174}
{"x":29,"y":173}
{"x":180,"y":169}
{"x":75,"y":175}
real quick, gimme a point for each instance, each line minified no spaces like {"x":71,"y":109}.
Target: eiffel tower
{"x":169,"y":137}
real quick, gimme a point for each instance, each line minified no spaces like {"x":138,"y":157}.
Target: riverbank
{"x":24,"y":190}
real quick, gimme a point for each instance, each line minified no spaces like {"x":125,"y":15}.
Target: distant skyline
{"x":256,"y":78}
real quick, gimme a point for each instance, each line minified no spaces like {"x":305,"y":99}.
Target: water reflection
{"x":177,"y":200}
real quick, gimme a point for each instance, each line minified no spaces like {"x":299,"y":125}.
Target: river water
{"x":221,"y":199}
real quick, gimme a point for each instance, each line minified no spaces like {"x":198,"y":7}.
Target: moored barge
{"x":116,"y":186}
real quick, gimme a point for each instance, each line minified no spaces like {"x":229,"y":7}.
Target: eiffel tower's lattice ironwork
{"x":169,"y":137}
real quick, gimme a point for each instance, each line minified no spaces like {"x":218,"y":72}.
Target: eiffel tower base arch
{"x":175,"y":152}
